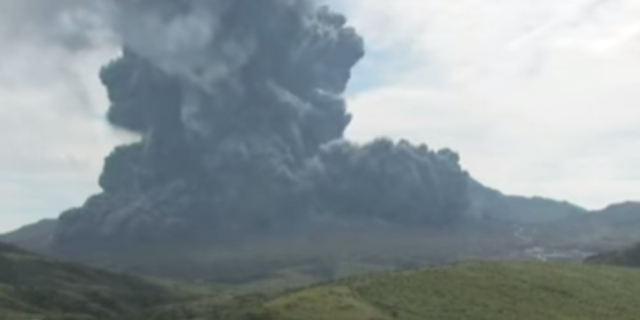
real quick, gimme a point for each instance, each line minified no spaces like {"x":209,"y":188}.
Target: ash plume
{"x":240,"y":111}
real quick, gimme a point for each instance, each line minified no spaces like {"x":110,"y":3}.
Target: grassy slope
{"x":491,"y":291}
{"x":33,"y":287}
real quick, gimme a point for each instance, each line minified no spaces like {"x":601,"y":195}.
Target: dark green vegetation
{"x":33,"y":287}
{"x":628,"y":257}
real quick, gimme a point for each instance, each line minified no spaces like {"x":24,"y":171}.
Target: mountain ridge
{"x":343,"y":247}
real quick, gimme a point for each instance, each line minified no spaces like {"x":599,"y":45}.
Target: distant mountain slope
{"x":613,"y":228}
{"x":492,"y":203}
{"x":34,"y":236}
{"x":478,"y":291}
{"x":34,"y":288}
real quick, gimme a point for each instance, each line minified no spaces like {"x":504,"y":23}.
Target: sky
{"x":538,"y":96}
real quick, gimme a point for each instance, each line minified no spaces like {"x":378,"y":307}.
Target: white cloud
{"x":53,"y":136}
{"x":539,"y":96}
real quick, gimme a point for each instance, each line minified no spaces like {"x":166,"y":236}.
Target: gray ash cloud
{"x":239,"y":106}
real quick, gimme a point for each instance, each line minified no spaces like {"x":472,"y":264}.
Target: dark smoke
{"x":239,"y":107}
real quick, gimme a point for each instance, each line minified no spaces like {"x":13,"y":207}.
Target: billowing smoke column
{"x":238,"y":105}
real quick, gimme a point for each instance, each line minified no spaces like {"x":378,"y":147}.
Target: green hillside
{"x":35,"y":288}
{"x":477,"y":291}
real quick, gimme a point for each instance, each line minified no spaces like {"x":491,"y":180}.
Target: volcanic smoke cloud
{"x":239,"y":107}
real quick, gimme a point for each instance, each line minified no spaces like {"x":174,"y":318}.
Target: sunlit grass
{"x":483,"y":291}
